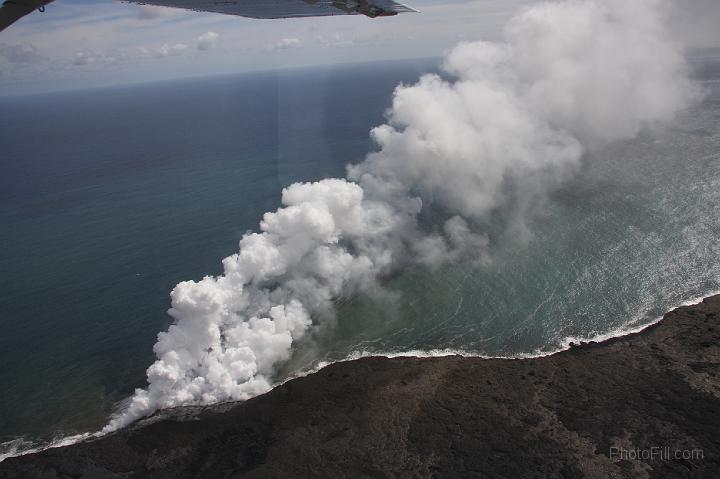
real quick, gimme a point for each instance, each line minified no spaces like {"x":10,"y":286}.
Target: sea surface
{"x":110,"y":197}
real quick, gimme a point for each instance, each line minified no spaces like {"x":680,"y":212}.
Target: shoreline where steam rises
{"x":599,"y":338}
{"x":512,"y":125}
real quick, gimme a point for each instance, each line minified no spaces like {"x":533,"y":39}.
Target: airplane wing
{"x":286,"y":8}
{"x":13,"y":10}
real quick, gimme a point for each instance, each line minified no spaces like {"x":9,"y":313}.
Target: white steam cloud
{"x":509,"y":123}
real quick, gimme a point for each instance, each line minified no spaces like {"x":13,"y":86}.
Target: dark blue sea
{"x":110,"y":197}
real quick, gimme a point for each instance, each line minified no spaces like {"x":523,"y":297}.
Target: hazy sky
{"x":77,"y":44}
{"x":85,"y":43}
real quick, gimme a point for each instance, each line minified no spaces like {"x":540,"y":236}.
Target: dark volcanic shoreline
{"x":641,"y":405}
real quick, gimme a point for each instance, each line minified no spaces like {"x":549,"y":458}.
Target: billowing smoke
{"x":504,"y":125}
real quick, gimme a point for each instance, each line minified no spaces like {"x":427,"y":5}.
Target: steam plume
{"x":506,"y":124}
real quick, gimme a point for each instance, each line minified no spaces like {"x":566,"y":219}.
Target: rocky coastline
{"x":641,"y":405}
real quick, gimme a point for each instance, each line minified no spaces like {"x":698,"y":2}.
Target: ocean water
{"x":110,"y":197}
